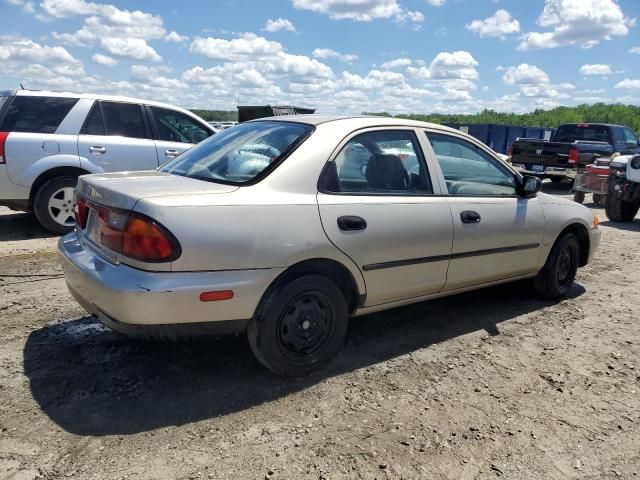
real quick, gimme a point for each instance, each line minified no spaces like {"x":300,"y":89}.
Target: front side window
{"x":469,"y":170}
{"x":177,"y":127}
{"x":36,"y":114}
{"x":124,"y":120}
{"x":240,"y":154}
{"x":381,"y":162}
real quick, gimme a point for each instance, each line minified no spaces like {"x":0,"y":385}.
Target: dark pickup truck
{"x":572,"y":145}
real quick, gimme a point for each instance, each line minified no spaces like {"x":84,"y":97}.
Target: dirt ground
{"x":488,"y":384}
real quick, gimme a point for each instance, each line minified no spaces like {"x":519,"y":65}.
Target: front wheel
{"x":299,"y":326}
{"x":53,"y":204}
{"x":556,"y":278}
{"x":618,"y":210}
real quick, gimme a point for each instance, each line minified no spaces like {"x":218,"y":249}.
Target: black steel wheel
{"x":299,"y":325}
{"x":556,"y":278}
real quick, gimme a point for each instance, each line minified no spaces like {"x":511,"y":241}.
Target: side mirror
{"x":531,"y":185}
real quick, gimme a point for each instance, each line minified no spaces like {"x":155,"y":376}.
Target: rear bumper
{"x":134,"y":301}
{"x":12,"y":195}
{"x":548,"y":172}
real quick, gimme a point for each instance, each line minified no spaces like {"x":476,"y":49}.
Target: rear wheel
{"x":299,"y":326}
{"x":578,"y":197}
{"x":556,"y":278}
{"x":597,"y":198}
{"x":53,"y":204}
{"x":619,"y":210}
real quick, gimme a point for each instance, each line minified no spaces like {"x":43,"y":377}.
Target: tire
{"x":559,"y":272}
{"x":53,"y":204}
{"x":618,"y":210}
{"x":603,"y":200}
{"x":597,"y":198}
{"x":299,"y":326}
{"x":578,"y":197}
{"x":556,"y":179}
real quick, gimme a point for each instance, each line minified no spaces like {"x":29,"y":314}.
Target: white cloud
{"x":247,"y":46}
{"x":104,"y":60}
{"x":525,"y":74}
{"x":577,"y":22}
{"x":595,"y":69}
{"x":499,"y":25}
{"x":460,"y":64}
{"x":398,"y":62}
{"x":279,"y":24}
{"x":175,"y":37}
{"x":135,"y":48}
{"x":436,"y":3}
{"x":360,"y":10}
{"x":629,"y":84}
{"x":635,"y":50}
{"x":328,"y":53}
{"x":30,"y":51}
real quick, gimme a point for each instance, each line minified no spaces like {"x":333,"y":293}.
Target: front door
{"x":497,"y":234}
{"x":378,"y":205}
{"x":117,"y":137}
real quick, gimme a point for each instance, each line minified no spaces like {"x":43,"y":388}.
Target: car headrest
{"x":387,"y":172}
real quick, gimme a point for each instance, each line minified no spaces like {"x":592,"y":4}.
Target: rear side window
{"x":124,"y":120}
{"x":94,"y":124}
{"x":177,"y":127}
{"x":36,"y":114}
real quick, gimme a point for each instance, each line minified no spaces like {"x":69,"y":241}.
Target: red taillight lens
{"x":3,"y":140}
{"x":81,"y":211}
{"x":510,"y":152}
{"x":143,"y":239}
{"x":574,"y":156}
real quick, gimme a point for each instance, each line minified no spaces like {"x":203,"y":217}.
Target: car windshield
{"x":241,"y":153}
{"x":592,"y":133}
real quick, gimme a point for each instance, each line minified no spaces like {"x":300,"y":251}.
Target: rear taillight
{"x":128,"y":233}
{"x":510,"y":152}
{"x":574,"y":156}
{"x":80,"y":210}
{"x":3,"y":140}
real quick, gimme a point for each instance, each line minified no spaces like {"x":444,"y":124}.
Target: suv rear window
{"x":240,"y":154}
{"x":36,"y":114}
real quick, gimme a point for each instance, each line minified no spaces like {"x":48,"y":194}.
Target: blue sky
{"x":346,"y":56}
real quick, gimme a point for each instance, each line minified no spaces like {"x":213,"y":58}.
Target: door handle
{"x":171,"y":153}
{"x":469,"y":216}
{"x":351,"y":223}
{"x":98,"y":150}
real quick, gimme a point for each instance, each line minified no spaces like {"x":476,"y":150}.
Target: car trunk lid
{"x":123,"y":190}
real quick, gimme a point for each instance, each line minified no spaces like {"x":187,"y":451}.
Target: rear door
{"x":174,"y":132}
{"x":497,"y":234}
{"x":116,"y":136}
{"x":382,"y":210}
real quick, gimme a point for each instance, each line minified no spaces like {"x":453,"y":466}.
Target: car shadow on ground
{"x":91,"y":381}
{"x":21,"y":226}
{"x":633,"y":226}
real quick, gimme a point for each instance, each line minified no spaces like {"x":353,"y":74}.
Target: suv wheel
{"x":53,"y":204}
{"x":618,"y":210}
{"x":556,"y":278}
{"x":299,"y":326}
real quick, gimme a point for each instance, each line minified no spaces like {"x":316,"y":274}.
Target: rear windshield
{"x":591,"y":133}
{"x":36,"y":114}
{"x":239,"y":154}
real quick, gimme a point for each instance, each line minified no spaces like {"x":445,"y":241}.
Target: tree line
{"x":628,"y":115}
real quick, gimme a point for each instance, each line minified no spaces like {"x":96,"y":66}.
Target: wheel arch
{"x":582,"y":234}
{"x":47,"y":175}
{"x":326,"y":267}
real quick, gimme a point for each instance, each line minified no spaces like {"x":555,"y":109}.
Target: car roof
{"x":93,"y":96}
{"x":356,"y":121}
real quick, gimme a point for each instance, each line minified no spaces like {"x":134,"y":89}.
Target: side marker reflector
{"x":216,"y":296}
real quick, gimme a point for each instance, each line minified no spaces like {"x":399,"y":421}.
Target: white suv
{"x":48,"y":139}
